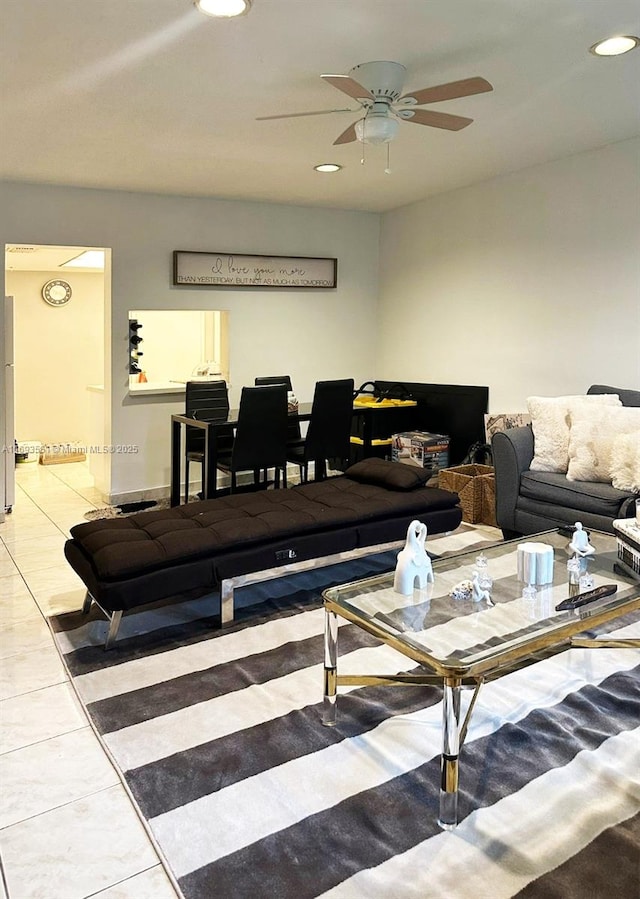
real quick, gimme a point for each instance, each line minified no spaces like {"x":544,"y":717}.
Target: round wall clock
{"x":56,"y":292}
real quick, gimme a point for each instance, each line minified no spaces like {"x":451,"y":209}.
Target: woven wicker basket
{"x":488,"y":489}
{"x":475,"y":485}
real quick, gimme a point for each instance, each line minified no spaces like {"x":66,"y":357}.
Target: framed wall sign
{"x":193,"y":269}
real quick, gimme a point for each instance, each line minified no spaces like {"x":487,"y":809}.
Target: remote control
{"x":581,"y":599}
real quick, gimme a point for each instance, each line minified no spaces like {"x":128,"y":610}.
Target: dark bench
{"x":229,"y":541}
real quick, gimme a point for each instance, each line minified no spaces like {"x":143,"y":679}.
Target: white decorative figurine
{"x":580,"y":542}
{"x":479,"y":593}
{"x":414,"y":565}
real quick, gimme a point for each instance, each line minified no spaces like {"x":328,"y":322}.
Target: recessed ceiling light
{"x":327,"y":167}
{"x":614,"y":46}
{"x":223,"y":9}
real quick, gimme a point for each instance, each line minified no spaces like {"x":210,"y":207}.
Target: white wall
{"x":58,"y":352}
{"x":311,"y":334}
{"x":529,"y":283}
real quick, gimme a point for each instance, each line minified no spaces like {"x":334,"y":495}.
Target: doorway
{"x":60,"y":302}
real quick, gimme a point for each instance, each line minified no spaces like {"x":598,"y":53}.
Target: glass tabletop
{"x":460,"y":634}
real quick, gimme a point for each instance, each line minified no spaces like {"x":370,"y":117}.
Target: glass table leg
{"x":448,"y":817}
{"x":330,"y":668}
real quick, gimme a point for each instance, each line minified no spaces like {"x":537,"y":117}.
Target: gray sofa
{"x":531,"y":501}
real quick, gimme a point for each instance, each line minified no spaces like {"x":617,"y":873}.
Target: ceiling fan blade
{"x":437,"y":119}
{"x":297,"y":115}
{"x":347,"y":136}
{"x":450,"y":91}
{"x":349,"y":86}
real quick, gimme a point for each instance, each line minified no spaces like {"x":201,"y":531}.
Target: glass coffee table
{"x":464,"y":643}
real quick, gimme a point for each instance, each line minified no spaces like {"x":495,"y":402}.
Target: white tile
{"x":13,"y":533}
{"x":29,"y":671}
{"x":23,"y":501}
{"x":27,"y":517}
{"x":7,"y":568}
{"x":80,"y":769}
{"x":60,"y":500}
{"x":70,"y":867}
{"x":69,"y":471}
{"x":24,"y":636}
{"x":61,"y":601}
{"x":79,"y":481}
{"x":29,"y":546}
{"x":51,"y":763}
{"x":24,"y":505}
{"x":66,"y":520}
{"x":41,"y":493}
{"x":53,"y":580}
{"x":41,"y":559}
{"x":14,"y":585}
{"x":151,"y":884}
{"x":37,"y":716}
{"x":92,"y":495}
{"x":16,"y":603}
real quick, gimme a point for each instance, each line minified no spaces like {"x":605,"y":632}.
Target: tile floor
{"x":67,"y":827}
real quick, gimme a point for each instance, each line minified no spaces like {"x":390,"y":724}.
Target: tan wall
{"x":58,"y":352}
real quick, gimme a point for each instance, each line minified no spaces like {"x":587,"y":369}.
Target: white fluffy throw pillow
{"x":593,"y":433}
{"x":550,"y":420}
{"x":625,"y":462}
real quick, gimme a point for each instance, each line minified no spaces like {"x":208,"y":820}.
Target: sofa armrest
{"x":512,"y":454}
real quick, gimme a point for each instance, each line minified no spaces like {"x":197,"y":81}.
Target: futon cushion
{"x":214,"y":529}
{"x":392,"y":475}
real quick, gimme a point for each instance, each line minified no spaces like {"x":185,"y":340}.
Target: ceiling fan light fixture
{"x":223,"y":9}
{"x":376,"y":129}
{"x":615,"y":46}
{"x":327,"y":167}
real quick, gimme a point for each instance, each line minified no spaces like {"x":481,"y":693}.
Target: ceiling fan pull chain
{"x":362,"y":160}
{"x":387,"y":171}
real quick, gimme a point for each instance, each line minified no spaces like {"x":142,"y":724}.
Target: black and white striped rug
{"x":218,"y":736}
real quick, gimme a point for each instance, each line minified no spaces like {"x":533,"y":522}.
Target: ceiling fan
{"x":377,"y":86}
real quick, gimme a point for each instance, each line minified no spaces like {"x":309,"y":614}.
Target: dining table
{"x":210,"y":461}
{"x":366,"y":437}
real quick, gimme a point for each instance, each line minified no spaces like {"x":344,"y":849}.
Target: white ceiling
{"x":150,"y":95}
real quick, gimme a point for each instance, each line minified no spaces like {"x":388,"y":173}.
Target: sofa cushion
{"x":625,"y":462}
{"x":587,"y":496}
{"x":550,"y":420}
{"x":591,"y":438}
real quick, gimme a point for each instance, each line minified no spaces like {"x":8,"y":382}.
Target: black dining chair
{"x":260,"y":440}
{"x":205,"y":401}
{"x":293,"y":428}
{"x":328,"y":436}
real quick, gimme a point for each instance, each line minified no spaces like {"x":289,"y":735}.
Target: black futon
{"x":198,"y":547}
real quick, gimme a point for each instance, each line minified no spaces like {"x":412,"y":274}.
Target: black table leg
{"x":210,"y":463}
{"x":175,"y":463}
